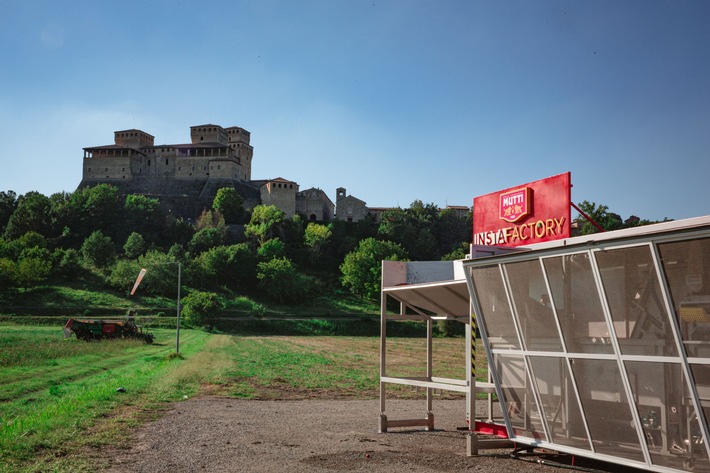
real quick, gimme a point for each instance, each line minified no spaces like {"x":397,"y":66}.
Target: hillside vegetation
{"x":80,"y":254}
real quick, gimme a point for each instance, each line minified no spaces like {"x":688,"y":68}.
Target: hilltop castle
{"x":186,"y":177}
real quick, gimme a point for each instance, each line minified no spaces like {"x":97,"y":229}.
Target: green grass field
{"x":60,"y":404}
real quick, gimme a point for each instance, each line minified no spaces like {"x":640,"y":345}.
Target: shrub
{"x":280,"y":280}
{"x":200,"y":308}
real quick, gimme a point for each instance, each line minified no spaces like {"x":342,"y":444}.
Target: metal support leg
{"x":472,"y":444}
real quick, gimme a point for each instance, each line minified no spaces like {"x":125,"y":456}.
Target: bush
{"x":280,"y":280}
{"x":200,"y":308}
{"x":362,"y":267}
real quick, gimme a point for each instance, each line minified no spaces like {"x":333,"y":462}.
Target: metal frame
{"x":422,"y":295}
{"x":649,"y":237}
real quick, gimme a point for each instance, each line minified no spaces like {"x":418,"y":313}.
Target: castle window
{"x":106,"y":169}
{"x":179,"y":168}
{"x":149,"y":162}
{"x":219,"y":167}
{"x":166,"y":161}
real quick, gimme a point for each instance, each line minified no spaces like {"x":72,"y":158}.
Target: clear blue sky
{"x":434,"y":100}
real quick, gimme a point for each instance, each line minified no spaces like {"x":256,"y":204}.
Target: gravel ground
{"x":217,"y":434}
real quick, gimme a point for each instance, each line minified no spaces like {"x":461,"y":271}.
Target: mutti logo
{"x":515,"y":205}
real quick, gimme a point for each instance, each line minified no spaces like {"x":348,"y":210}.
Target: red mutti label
{"x":515,"y":205}
{"x":532,"y":213}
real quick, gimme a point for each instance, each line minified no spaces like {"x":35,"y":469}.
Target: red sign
{"x":535,"y":212}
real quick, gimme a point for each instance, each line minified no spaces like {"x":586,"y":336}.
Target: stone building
{"x":349,"y":208}
{"x":279,"y":192}
{"x":461,"y":211}
{"x":314,"y":205}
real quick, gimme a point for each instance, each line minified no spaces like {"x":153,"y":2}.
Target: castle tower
{"x":134,"y":139}
{"x":239,"y":142}
{"x":208,"y":134}
{"x":281,"y":193}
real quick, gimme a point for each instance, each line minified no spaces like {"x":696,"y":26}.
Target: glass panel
{"x":493,"y":300}
{"x":634,"y":295}
{"x":577,"y":303}
{"x":606,"y":408}
{"x":532,"y":306}
{"x":559,"y":402}
{"x":687,"y":268}
{"x":518,"y":396}
{"x":661,"y":399}
{"x":695,"y":446}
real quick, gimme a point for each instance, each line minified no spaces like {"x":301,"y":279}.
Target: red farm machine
{"x":105,"y":329}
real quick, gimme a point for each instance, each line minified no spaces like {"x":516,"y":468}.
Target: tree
{"x":361,"y":269}
{"x":178,"y":231}
{"x":95,"y":208}
{"x":161,"y":275}
{"x":210,"y":219}
{"x":143,"y":215}
{"x":265,"y":222}
{"x":8,"y":204}
{"x":230,"y":204}
{"x":599,"y":214}
{"x":271,"y":249}
{"x":242,"y":265}
{"x":32,"y":214}
{"x":317,"y":239}
{"x":281,"y":281}
{"x":65,"y":262}
{"x":31,"y":269}
{"x":98,"y":249}
{"x":451,"y":232}
{"x":413,"y":229}
{"x":213,"y":265}
{"x":135,"y":246}
{"x":205,"y":239}
{"x":316,"y":235}
{"x":141,"y":205}
{"x":200,"y":308}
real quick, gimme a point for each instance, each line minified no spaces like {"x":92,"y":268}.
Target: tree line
{"x":227,"y":249}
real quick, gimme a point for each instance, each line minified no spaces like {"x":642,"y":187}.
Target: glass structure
{"x":600,"y":346}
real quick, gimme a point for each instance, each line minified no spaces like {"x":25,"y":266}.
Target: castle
{"x":186,"y":177}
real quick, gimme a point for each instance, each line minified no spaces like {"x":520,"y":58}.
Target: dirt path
{"x":217,"y":434}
